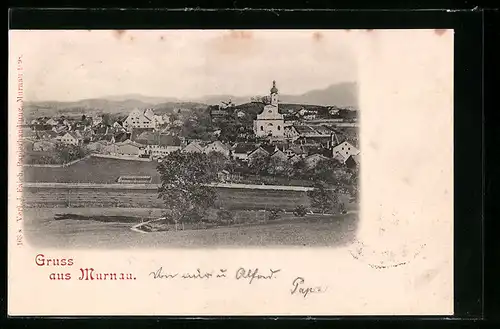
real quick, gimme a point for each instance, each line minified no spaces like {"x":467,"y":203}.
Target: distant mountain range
{"x":341,"y":95}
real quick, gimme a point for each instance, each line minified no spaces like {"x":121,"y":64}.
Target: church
{"x":270,"y":122}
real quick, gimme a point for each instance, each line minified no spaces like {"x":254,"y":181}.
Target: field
{"x":42,"y":230}
{"x":92,"y":170}
{"x":229,"y":198}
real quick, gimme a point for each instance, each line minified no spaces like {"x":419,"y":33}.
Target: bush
{"x":342,"y":208}
{"x":273,"y":214}
{"x":225,"y":216}
{"x":300,"y":211}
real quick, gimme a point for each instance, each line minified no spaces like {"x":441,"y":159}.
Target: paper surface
{"x":391,"y":254}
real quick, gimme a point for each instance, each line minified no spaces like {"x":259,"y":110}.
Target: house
{"x":164,"y":144}
{"x":240,"y":114}
{"x":127,"y":147}
{"x":312,"y":160}
{"x":194,"y":147}
{"x":295,"y":158}
{"x":117,"y":126}
{"x":310,"y":116}
{"x":217,"y":146}
{"x":97,"y":120}
{"x":345,"y":149}
{"x":279,"y":155}
{"x":71,"y":138}
{"x":334,"y":111}
{"x":51,"y":122}
{"x":146,"y":138}
{"x":44,"y":146}
{"x":140,"y":119}
{"x":257,"y":153}
{"x":242,"y":150}
{"x":290,"y":132}
{"x":353,"y":161}
{"x":302,"y":112}
{"x":46,"y":134}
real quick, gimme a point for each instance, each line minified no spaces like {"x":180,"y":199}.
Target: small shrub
{"x":273,"y":214}
{"x":300,"y":211}
{"x":342,"y":208}
{"x":225,"y":216}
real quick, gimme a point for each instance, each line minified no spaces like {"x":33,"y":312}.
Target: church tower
{"x":270,"y":123}
{"x":274,"y":94}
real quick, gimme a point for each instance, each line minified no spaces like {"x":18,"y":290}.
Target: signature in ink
{"x":300,"y":288}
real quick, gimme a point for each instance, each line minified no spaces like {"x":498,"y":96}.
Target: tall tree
{"x":323,"y":198}
{"x":182,"y":189}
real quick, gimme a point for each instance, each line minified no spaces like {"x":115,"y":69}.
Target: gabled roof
{"x":72,"y":134}
{"x":169,"y":140}
{"x":260,"y":149}
{"x":279,"y":153}
{"x":129,"y":142}
{"x":269,"y":148}
{"x":244,"y":148}
{"x":219,"y":144}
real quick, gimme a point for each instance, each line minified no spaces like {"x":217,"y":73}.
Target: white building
{"x":71,"y":138}
{"x":345,"y":150}
{"x":270,"y":122}
{"x":142,"y":119}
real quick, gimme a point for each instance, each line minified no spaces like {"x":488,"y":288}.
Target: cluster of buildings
{"x":148,"y":135}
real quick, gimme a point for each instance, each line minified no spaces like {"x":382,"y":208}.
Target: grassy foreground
{"x":97,"y":228}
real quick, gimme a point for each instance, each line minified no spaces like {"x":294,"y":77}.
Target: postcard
{"x":230,"y":172}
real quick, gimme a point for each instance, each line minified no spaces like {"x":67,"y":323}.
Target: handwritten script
{"x":298,"y":286}
{"x":248,"y":275}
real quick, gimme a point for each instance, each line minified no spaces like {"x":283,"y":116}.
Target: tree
{"x":259,"y":165}
{"x":66,"y":153}
{"x":182,"y":189}
{"x":323,"y":198}
{"x":300,"y":211}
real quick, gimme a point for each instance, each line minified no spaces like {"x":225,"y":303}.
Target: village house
{"x":163,"y":145}
{"x":142,"y":119}
{"x":226,"y":105}
{"x":51,"y":122}
{"x":242,"y":150}
{"x":295,"y":158}
{"x":194,"y":147}
{"x":353,"y":161}
{"x":270,"y":123}
{"x":290,"y":132}
{"x":217,"y":146}
{"x":312,"y":160}
{"x":128,"y":148}
{"x":257,"y":153}
{"x":240,"y":114}
{"x":279,"y":155}
{"x":45,"y":134}
{"x":97,"y":120}
{"x":71,"y":138}
{"x":345,"y":149}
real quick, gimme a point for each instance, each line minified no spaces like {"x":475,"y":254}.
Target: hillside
{"x":342,"y":95}
{"x":91,"y":107}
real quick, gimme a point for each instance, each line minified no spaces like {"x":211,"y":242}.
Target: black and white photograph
{"x":252,"y":172}
{"x":215,"y":140}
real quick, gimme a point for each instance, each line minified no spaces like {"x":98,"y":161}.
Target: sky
{"x":72,"y":65}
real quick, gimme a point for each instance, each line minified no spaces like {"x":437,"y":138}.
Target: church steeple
{"x":274,"y":90}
